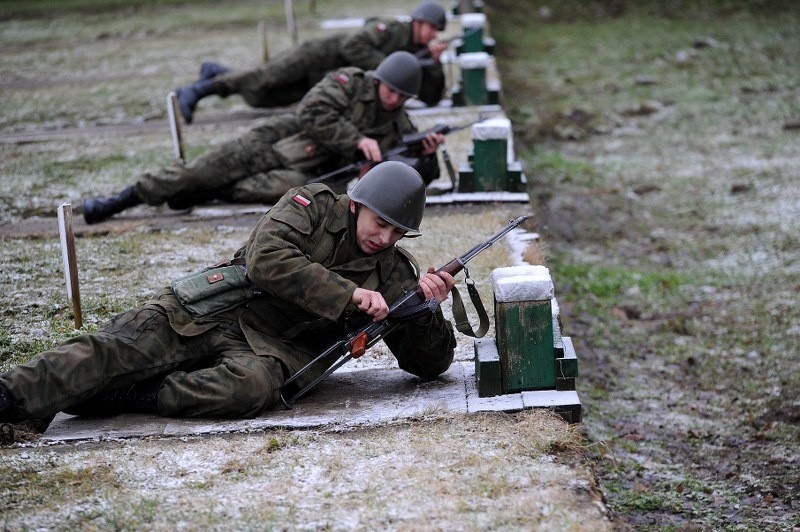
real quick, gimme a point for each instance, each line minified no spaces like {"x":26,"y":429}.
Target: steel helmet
{"x":401,"y":72}
{"x":432,"y":13}
{"x":395,"y":192}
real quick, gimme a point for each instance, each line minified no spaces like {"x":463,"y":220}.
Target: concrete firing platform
{"x":345,"y":399}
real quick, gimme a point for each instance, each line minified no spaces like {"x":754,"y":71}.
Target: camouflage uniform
{"x":335,"y":115}
{"x":287,"y":76}
{"x":304,"y":258}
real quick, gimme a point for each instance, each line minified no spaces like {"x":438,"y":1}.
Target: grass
{"x":337,"y":489}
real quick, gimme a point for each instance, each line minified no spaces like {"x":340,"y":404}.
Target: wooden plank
{"x":67,"y":236}
{"x":525,"y":344}
{"x":567,"y":366}
{"x":487,"y":368}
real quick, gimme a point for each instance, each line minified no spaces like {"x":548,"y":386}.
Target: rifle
{"x":426,"y":51}
{"x":407,"y":307}
{"x":410,"y":141}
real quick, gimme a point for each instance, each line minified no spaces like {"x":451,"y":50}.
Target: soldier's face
{"x":390,"y":100}
{"x":373,"y":233}
{"x":424,"y":32}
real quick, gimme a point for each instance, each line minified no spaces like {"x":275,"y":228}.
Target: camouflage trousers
{"x":284,"y":79}
{"x":214,"y":374}
{"x":244,"y":170}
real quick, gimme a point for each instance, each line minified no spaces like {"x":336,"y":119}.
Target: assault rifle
{"x":407,"y":307}
{"x":409,"y":142}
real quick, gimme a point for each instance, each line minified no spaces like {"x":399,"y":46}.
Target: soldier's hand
{"x":370,"y":148}
{"x":436,"y":285}
{"x":371,"y":303}
{"x":431,"y":143}
{"x":437,"y":48}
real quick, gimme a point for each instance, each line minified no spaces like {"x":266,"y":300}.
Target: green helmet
{"x":432,"y":13}
{"x":396,"y":192}
{"x":401,"y":72}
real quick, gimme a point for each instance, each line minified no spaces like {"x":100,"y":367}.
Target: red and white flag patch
{"x":343,"y":78}
{"x":302,"y":200}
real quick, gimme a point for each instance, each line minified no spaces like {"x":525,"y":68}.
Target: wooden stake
{"x":70,"y":260}
{"x":262,"y":30}
{"x":290,"y":21}
{"x":175,"y":126}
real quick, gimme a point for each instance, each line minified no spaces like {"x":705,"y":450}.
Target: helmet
{"x":432,"y":13}
{"x":396,"y":192}
{"x":402,"y":72}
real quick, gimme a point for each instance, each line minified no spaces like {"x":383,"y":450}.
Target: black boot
{"x":98,"y":209}
{"x":189,"y":95}
{"x":5,"y":406}
{"x":141,"y":397}
{"x":209,"y":70}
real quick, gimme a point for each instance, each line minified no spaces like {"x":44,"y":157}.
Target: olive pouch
{"x":213,"y":290}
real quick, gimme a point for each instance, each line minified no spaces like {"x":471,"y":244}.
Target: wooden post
{"x":262,"y":31}
{"x":524,"y":327}
{"x":473,"y":25}
{"x":175,"y":126}
{"x":70,"y":261}
{"x":473,"y":75}
{"x":491,"y":153}
{"x":290,"y":21}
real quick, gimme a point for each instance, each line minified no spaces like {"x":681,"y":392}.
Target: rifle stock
{"x":354,"y":344}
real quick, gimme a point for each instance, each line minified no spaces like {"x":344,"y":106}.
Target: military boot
{"x":98,"y":209}
{"x":189,"y":95}
{"x":5,"y":406}
{"x":140,"y":398}
{"x":209,"y":70}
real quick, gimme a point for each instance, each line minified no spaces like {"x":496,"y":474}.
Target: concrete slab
{"x":346,"y":399}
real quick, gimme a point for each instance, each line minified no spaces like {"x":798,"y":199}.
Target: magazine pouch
{"x":213,"y":290}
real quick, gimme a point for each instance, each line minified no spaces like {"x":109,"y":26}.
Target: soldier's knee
{"x":260,"y":386}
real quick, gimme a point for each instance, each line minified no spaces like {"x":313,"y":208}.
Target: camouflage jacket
{"x":304,"y":258}
{"x":367,"y":47}
{"x":344,"y":107}
{"x":378,"y":38}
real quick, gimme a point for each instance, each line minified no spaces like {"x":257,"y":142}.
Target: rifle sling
{"x":460,"y":314}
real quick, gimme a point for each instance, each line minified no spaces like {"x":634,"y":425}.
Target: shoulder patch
{"x":301,"y":200}
{"x":343,"y":78}
{"x":380,"y":26}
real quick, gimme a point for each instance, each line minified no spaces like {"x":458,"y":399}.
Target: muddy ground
{"x":663,"y":157}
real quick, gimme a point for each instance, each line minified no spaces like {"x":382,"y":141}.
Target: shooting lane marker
{"x":70,"y":261}
{"x":291,"y":23}
{"x":262,"y":31}
{"x":175,"y":126}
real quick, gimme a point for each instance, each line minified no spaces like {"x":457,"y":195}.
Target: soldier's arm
{"x":424,"y":346}
{"x":433,"y":84}
{"x":427,"y":165}
{"x":277,"y":255}
{"x":324,"y":113}
{"x":369,"y":46}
